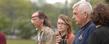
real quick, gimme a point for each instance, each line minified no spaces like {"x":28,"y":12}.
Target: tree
{"x":16,"y":14}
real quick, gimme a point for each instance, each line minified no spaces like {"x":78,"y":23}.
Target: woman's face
{"x":61,"y":25}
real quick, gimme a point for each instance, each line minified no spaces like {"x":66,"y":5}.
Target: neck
{"x":97,"y":26}
{"x":40,"y":27}
{"x":63,"y":33}
{"x":84,"y":23}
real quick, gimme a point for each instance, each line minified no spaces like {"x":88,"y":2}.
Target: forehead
{"x":60,"y":20}
{"x":75,"y":9}
{"x":35,"y":14}
{"x":78,"y":9}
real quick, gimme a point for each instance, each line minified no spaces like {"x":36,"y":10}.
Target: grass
{"x":20,"y":42}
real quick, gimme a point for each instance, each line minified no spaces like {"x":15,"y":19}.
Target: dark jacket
{"x":100,"y":36}
{"x":84,"y":33}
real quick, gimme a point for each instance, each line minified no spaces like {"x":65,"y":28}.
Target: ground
{"x":21,"y":41}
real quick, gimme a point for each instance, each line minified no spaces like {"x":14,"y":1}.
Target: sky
{"x":52,"y":1}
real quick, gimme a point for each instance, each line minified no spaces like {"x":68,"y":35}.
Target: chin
{"x":77,"y":23}
{"x":60,"y":30}
{"x":36,"y":26}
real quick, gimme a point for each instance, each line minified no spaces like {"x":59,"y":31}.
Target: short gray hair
{"x":84,"y":6}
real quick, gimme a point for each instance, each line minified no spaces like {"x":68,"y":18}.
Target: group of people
{"x":46,"y":35}
{"x":93,"y":26}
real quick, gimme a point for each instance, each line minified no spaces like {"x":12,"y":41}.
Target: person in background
{"x":82,"y":14}
{"x":45,"y":34}
{"x":2,"y":38}
{"x":100,"y":17}
{"x":64,"y":34}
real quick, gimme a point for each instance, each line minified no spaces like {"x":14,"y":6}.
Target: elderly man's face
{"x":36,"y":20}
{"x":78,"y":16}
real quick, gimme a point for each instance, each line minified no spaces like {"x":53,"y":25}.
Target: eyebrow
{"x":34,"y":16}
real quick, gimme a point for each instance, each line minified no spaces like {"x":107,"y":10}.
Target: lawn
{"x":20,"y":42}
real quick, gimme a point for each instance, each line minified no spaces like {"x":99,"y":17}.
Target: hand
{"x":58,"y":38}
{"x":57,"y":43}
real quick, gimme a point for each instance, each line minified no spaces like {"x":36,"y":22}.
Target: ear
{"x":31,"y":21}
{"x":85,"y":14}
{"x":42,"y":20}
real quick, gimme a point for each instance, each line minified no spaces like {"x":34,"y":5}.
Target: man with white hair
{"x":81,"y":12}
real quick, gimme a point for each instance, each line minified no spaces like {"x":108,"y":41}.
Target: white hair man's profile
{"x":82,"y":11}
{"x":83,"y":5}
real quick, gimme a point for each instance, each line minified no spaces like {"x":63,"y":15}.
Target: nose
{"x":60,"y":25}
{"x":31,"y":21}
{"x":73,"y":17}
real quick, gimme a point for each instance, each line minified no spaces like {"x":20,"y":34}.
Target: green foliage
{"x":25,"y":28}
{"x":4,"y":22}
{"x":16,"y":14}
{"x":95,"y":2}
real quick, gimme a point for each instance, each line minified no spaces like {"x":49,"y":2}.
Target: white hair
{"x":83,"y":6}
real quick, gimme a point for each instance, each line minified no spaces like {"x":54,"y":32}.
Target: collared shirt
{"x":39,"y":37}
{"x":84,"y":33}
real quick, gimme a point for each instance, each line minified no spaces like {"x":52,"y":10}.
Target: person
{"x":45,"y":34}
{"x":82,"y":14}
{"x":100,"y":17}
{"x":64,"y":33}
{"x":2,"y":38}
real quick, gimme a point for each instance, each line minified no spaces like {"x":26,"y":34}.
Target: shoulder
{"x":92,"y":25}
{"x":71,"y":36}
{"x":102,"y":30}
{"x":100,"y":34}
{"x":48,"y":31}
{"x":2,"y":34}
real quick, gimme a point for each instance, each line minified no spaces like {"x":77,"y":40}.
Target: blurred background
{"x":15,"y":17}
